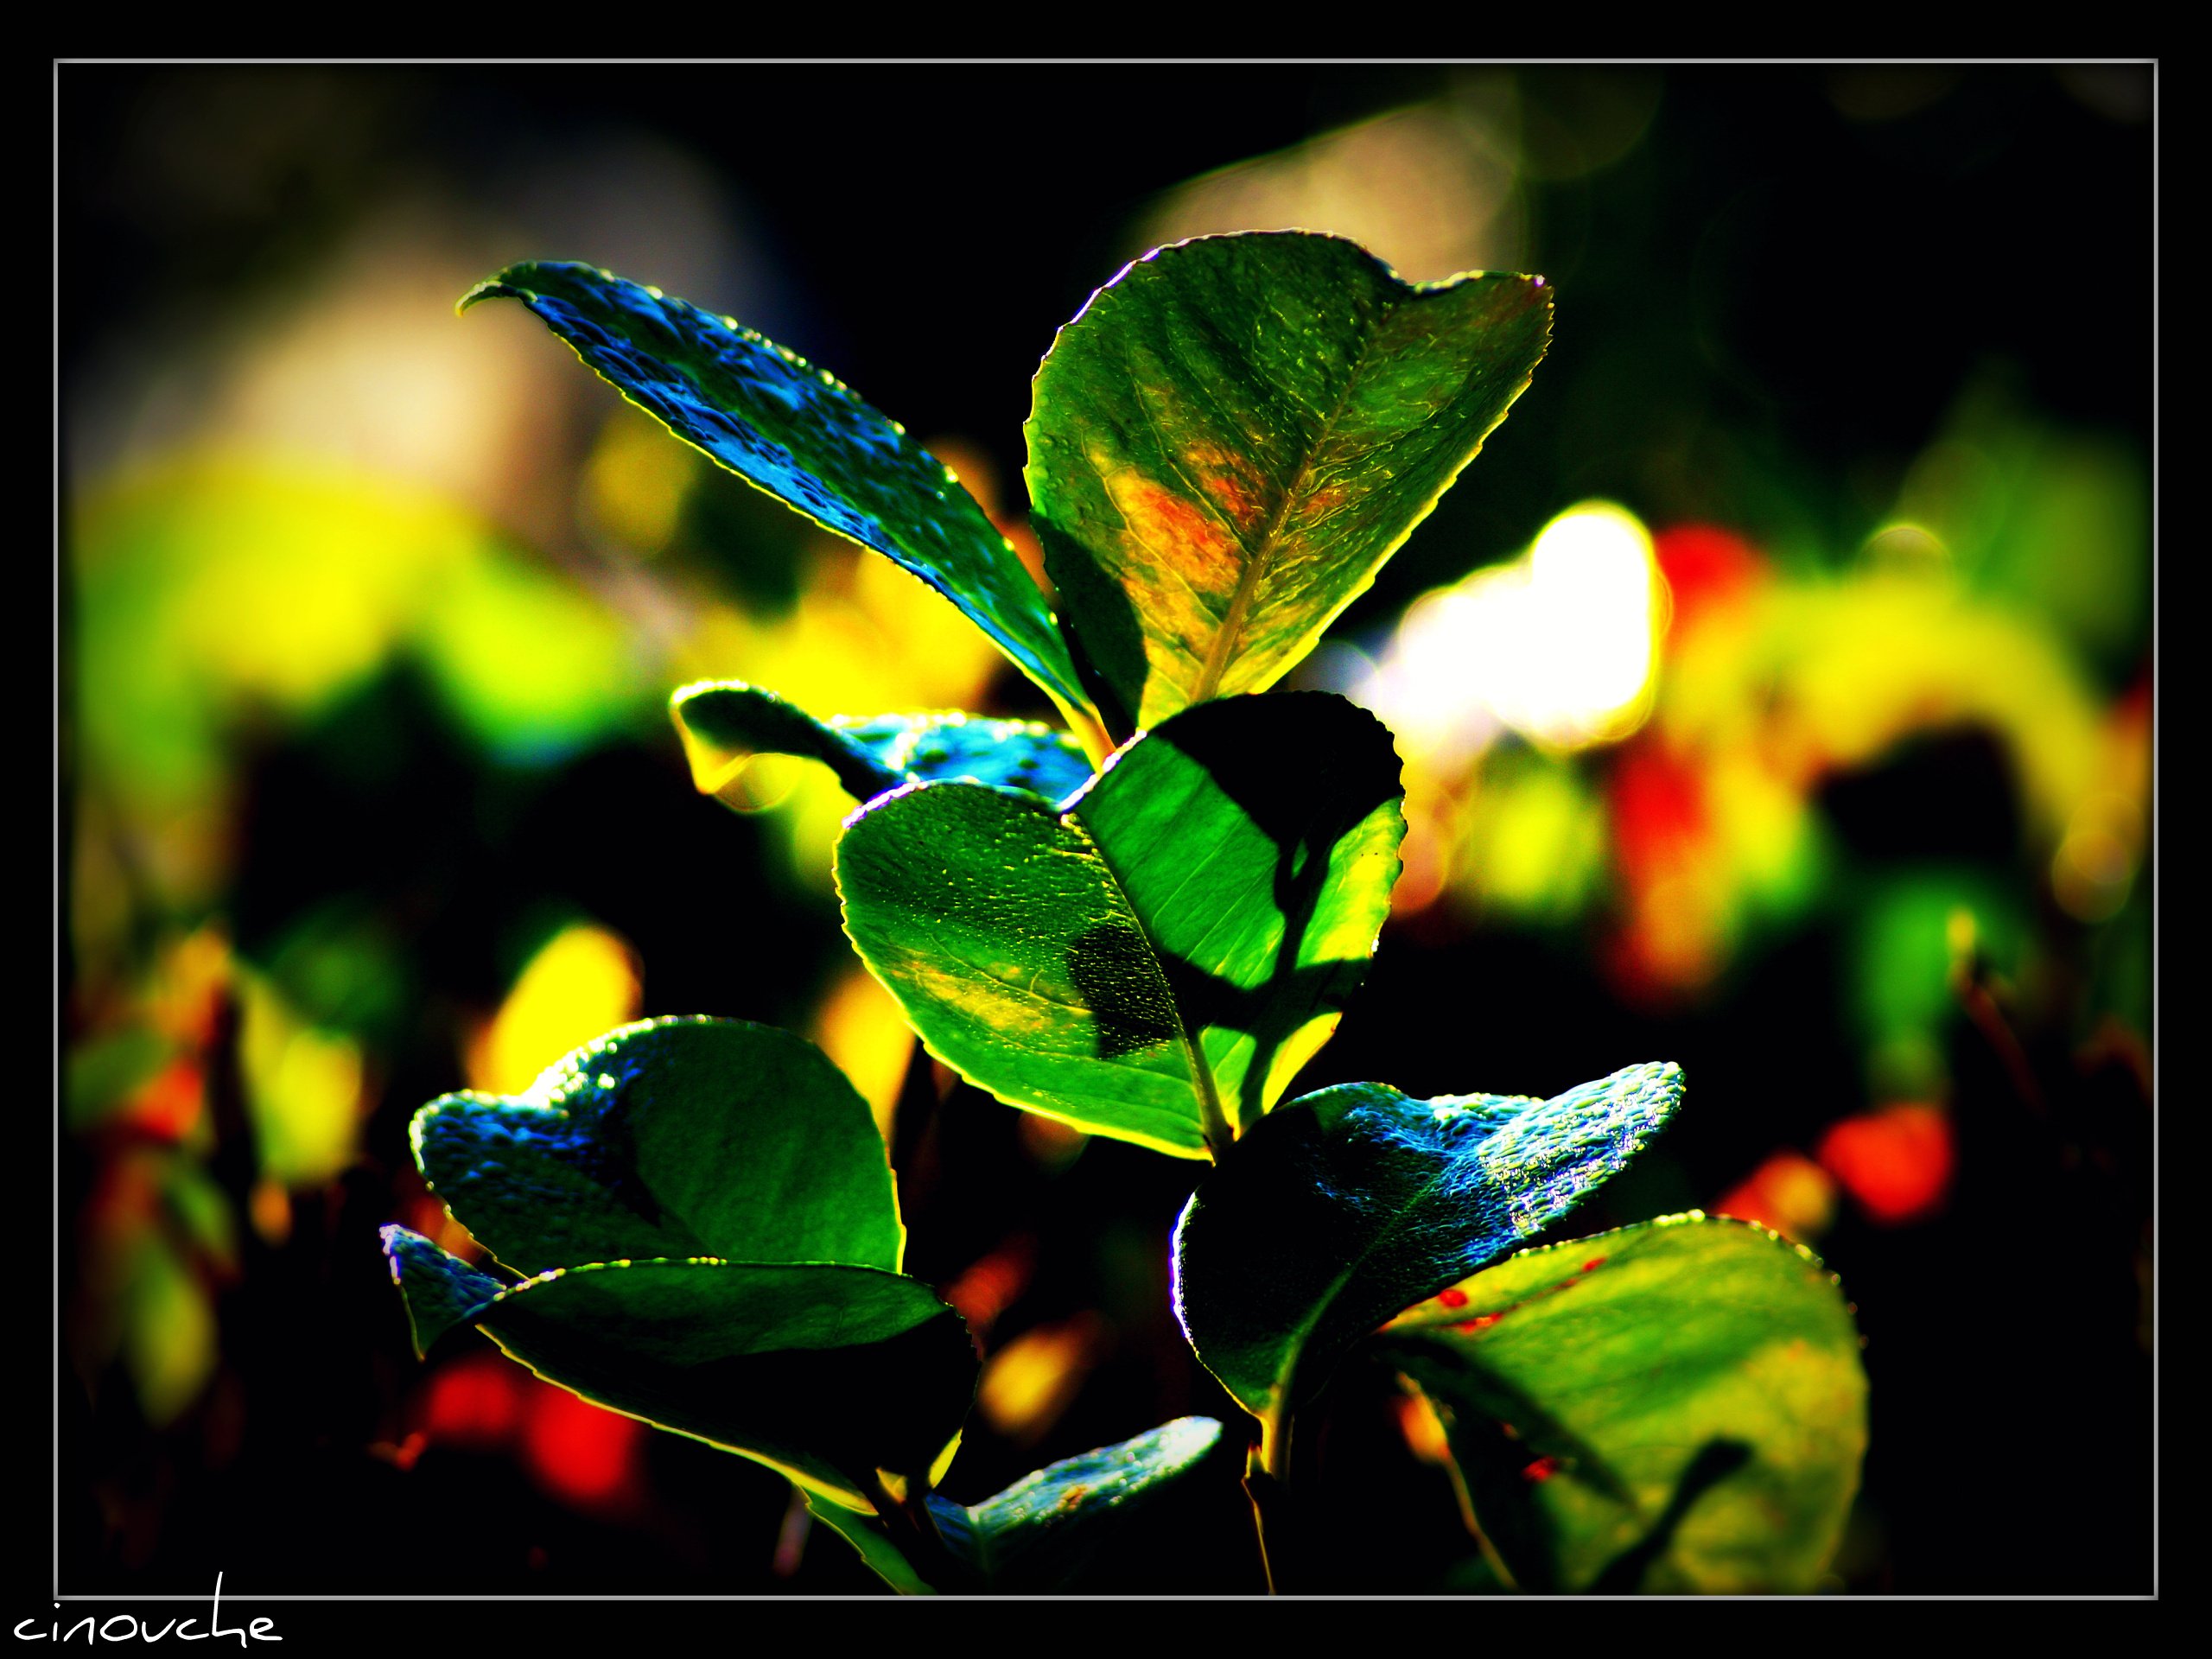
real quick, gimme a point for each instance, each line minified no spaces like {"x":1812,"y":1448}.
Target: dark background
{"x":1767,"y":307}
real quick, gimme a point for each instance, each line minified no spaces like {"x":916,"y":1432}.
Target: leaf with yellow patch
{"x":1156,"y":959}
{"x":1674,"y":1406}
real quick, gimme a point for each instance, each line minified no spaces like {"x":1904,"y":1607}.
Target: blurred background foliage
{"x":1775,"y":694}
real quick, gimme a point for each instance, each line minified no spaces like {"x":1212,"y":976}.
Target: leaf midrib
{"x":1263,"y":557}
{"x":1210,"y":1117}
{"x":1286,"y":1374}
{"x":1042,"y":654}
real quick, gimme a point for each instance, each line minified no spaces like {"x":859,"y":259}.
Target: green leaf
{"x":826,"y":1373}
{"x":1353,"y":1203}
{"x":873,"y":1540}
{"x":1044,"y":1532}
{"x":1050,"y":1531}
{"x":1686,"y":1403}
{"x":441,"y":1290}
{"x":1157,"y":961}
{"x":725,"y":722}
{"x":685,"y":1137}
{"x":1235,"y":433}
{"x":799,"y":433}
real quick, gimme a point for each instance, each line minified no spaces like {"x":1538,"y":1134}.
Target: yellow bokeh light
{"x":1533,"y":841}
{"x":304,"y":1087}
{"x":1031,"y":1380}
{"x":761,"y":783}
{"x":2094,"y":865}
{"x":633,"y":486}
{"x":582,"y":983}
{"x":859,"y":1027}
{"x":1837,"y":671}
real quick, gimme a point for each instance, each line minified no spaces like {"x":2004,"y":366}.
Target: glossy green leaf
{"x":441,"y":1290}
{"x":1156,"y":962}
{"x":725,"y":722}
{"x":1687,"y":1405}
{"x":797,"y":433}
{"x":1047,"y":1532}
{"x":1231,"y":437}
{"x":824,"y":1372}
{"x":1043,"y":1532}
{"x":1353,"y":1203}
{"x":685,"y":1137}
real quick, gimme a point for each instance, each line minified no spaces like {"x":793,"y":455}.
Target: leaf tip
{"x":492,"y":288}
{"x":440,"y":1291}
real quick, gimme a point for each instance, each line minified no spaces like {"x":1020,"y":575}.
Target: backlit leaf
{"x":1048,"y":1531}
{"x":799,"y":433}
{"x":685,"y":1137}
{"x":1687,"y":1405}
{"x":1157,"y":961}
{"x":826,"y":1373}
{"x":1352,"y":1204}
{"x":725,"y":722}
{"x":1041,"y":1533}
{"x":441,"y":1290}
{"x":1231,"y":437}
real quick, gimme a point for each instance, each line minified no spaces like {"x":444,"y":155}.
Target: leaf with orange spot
{"x":1674,"y":1406}
{"x":1233,"y":436}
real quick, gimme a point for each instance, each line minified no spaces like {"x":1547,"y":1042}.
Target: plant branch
{"x":903,"y":1507}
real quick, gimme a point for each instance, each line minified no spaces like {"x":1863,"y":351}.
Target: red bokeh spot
{"x":990,"y":1287}
{"x":1541,"y":1468}
{"x":169,"y":1103}
{"x":580,"y":1453}
{"x":1706,"y":568}
{"x":1452,"y":1298}
{"x":475,"y":1403}
{"x":1896,"y":1162}
{"x":1662,"y":834}
{"x":1789,"y":1193}
{"x":1658,"y":811}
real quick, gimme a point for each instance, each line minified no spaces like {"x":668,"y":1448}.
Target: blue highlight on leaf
{"x":441,"y":1290}
{"x":1351,"y":1204}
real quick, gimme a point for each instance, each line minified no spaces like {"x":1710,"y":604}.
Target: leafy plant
{"x":1143,"y":925}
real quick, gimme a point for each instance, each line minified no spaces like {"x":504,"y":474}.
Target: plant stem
{"x":1274,"y":1444}
{"x":1474,"y":1526}
{"x":906,"y":1516}
{"x":1214,"y":1122}
{"x":1266,"y":1483}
